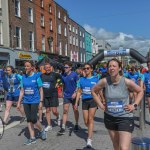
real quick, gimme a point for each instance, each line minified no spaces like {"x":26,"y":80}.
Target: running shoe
{"x":30,"y":141}
{"x":89,"y":143}
{"x":61,"y":132}
{"x":48,"y":128}
{"x":43,"y":135}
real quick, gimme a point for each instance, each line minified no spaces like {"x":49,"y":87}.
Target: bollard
{"x":140,"y":143}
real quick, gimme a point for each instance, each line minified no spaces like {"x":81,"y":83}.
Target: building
{"x":81,"y":38}
{"x":88,"y":46}
{"x":94,"y":46}
{"x":73,"y":40}
{"x":103,"y":45}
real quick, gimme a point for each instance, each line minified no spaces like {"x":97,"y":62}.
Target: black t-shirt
{"x":49,"y":82}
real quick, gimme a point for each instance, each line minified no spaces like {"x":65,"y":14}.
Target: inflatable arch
{"x":113,"y":53}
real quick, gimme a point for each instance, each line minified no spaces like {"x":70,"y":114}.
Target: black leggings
{"x":31,"y":111}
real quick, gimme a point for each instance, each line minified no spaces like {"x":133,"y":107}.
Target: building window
{"x":31,"y":41}
{"x":18,"y":37}
{"x":80,"y":33}
{"x":83,"y":35}
{"x":42,"y":20}
{"x":59,"y":29}
{"x":17,"y":8}
{"x":73,"y":29}
{"x":59,"y":14}
{"x":50,"y":8}
{"x":76,"y":31}
{"x":69,"y":27}
{"x":81,"y":57}
{"x":30,"y":14}
{"x":70,"y":39}
{"x":42,"y":3}
{"x":1,"y":33}
{"x":80,"y":44}
{"x":77,"y":42}
{"x":66,"y":49}
{"x":60,"y":48}
{"x":74,"y":40}
{"x":65,"y":19}
{"x":65,"y":31}
{"x":51,"y":24}
{"x":83,"y":45}
{"x":50,"y":42}
{"x":43,"y":42}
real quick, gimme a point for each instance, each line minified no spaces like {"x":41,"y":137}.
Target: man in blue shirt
{"x":70,"y":79}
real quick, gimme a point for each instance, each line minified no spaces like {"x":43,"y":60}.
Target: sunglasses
{"x":66,"y":67}
{"x":86,"y":68}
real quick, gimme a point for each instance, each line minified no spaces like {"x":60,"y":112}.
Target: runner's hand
{"x":76,"y":106}
{"x":129,"y":107}
{"x":74,"y":95}
{"x":18,"y":105}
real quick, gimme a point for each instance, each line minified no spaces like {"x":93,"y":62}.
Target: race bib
{"x":11,"y":89}
{"x":29,"y":91}
{"x":46,"y":85}
{"x":86,"y":90}
{"x":115,"y":107}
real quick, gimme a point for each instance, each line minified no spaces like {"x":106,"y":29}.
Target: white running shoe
{"x":48,"y":128}
{"x":89,"y":143}
{"x":59,"y":120}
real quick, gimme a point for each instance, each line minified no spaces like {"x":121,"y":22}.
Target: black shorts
{"x":147,"y":94}
{"x":51,"y":101}
{"x":119,"y":123}
{"x":12,"y":98}
{"x":69,"y":100}
{"x":88,"y":103}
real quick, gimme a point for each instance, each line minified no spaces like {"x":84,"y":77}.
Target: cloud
{"x":116,"y":40}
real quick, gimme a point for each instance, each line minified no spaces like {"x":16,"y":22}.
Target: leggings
{"x":31,"y":111}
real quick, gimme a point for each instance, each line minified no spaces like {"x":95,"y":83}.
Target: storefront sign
{"x":24,"y":56}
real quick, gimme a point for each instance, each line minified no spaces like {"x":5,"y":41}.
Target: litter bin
{"x":140,"y":143}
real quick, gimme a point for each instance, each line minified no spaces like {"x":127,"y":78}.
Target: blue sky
{"x":129,"y":19}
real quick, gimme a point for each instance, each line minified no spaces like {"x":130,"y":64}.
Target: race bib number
{"x":29,"y":91}
{"x":11,"y":90}
{"x":86,"y":90}
{"x":46,"y":85}
{"x":115,"y":107}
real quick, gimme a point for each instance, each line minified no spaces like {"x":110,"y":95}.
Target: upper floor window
{"x":73,"y":29}
{"x":83,"y":35}
{"x":42,"y":20}
{"x":76,"y":31}
{"x":17,"y":8}
{"x":50,"y":8}
{"x":51,"y":24}
{"x":60,"y":48}
{"x":77,"y":42}
{"x":43,"y":42}
{"x":65,"y":18}
{"x":66,"y":49}
{"x":18,"y":37}
{"x":1,"y":33}
{"x":80,"y":33}
{"x":30,"y":14}
{"x":70,"y":39}
{"x":69,"y":27}
{"x":59,"y":28}
{"x":0,"y":3}
{"x":31,"y":41}
{"x":65,"y":31}
{"x":59,"y":14}
{"x":74,"y":41}
{"x":42,"y":3}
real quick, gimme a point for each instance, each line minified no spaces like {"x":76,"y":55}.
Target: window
{"x":81,"y":57}
{"x":65,"y":31}
{"x":59,"y":14}
{"x":80,"y":33}
{"x":1,"y":33}
{"x":30,"y":14}
{"x":31,"y":41}
{"x":65,"y":19}
{"x":42,"y":20}
{"x":83,"y":35}
{"x":73,"y":40}
{"x":80,"y":44}
{"x":42,"y":3}
{"x":83,"y":45}
{"x":50,"y":42}
{"x":76,"y":31}
{"x":18,"y":37}
{"x":50,"y":8}
{"x":43,"y":42}
{"x":70,"y":39}
{"x":66,"y":49}
{"x":69,"y":27}
{"x":76,"y":41}
{"x":51,"y":24}
{"x":60,"y":48}
{"x":17,"y":8}
{"x":73,"y":29}
{"x":59,"y":29}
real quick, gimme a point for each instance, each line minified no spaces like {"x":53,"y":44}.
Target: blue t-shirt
{"x":31,"y":85}
{"x":39,"y":73}
{"x":13,"y":83}
{"x":86,"y":85}
{"x":70,"y":84}
{"x":147,"y":81}
{"x":103,"y":70}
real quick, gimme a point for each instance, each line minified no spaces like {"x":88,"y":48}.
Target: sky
{"x":123,"y":23}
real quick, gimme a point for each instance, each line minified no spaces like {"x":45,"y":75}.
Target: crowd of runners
{"x":116,"y":90}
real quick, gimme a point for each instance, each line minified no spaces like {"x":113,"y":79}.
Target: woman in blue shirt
{"x":32,"y":94}
{"x":89,"y":106}
{"x":13,"y":86}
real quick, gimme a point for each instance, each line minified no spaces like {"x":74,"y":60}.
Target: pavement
{"x":15,"y":133}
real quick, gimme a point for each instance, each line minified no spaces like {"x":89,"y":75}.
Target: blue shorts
{"x":12,"y":98}
{"x":69,"y":100}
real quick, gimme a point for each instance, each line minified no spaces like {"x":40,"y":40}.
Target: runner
{"x":51,"y":102}
{"x":13,"y":83}
{"x":70,"y":79}
{"x":89,"y":106}
{"x":118,"y":116}
{"x":147,"y":84}
{"x":32,"y":94}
